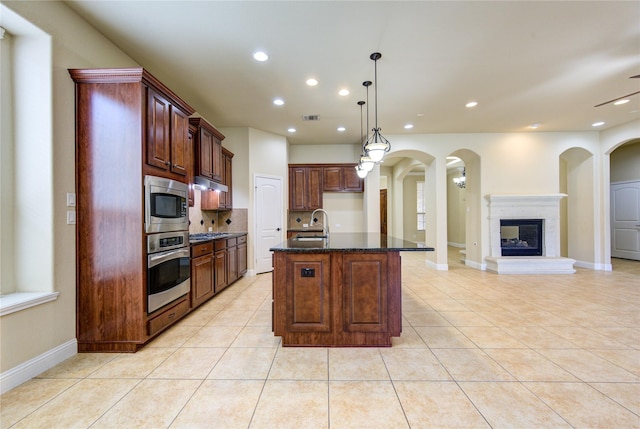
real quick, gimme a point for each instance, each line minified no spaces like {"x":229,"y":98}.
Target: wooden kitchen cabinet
{"x":242,"y":255}
{"x":341,"y":178}
{"x":336,"y":298}
{"x":167,"y":136}
{"x":128,"y":124}
{"x":220,"y":265}
{"x":208,"y":150}
{"x":226,"y":198}
{"x":305,"y":187}
{"x":202,"y":269}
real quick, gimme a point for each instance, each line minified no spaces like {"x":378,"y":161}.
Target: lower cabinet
{"x":336,"y":298}
{"x":201,"y":273}
{"x":216,"y":265}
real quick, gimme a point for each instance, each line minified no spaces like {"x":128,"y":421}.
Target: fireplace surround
{"x":544,"y":207}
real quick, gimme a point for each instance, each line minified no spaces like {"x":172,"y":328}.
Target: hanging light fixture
{"x":376,"y":146}
{"x":362,"y":173}
{"x":461,"y":182}
{"x":365,"y":162}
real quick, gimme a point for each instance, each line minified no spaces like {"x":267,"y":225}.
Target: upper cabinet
{"x":214,"y":200}
{"x":167,"y":134}
{"x":307,"y":182}
{"x":207,"y":150}
{"x":341,"y":178}
{"x":305,"y":187}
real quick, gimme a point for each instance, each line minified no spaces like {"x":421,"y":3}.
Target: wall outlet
{"x":305,"y":225}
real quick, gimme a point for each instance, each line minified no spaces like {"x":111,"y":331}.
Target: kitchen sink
{"x":310,"y":237}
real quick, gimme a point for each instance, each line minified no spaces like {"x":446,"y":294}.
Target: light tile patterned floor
{"x":478,"y":350}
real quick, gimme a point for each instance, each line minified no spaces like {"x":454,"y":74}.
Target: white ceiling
{"x":524,"y":62}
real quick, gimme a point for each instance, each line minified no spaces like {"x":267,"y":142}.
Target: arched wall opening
{"x":624,"y":196}
{"x":578,"y":235}
{"x":464,"y":208}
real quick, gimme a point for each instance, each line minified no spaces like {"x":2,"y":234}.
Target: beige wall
{"x":37,"y":330}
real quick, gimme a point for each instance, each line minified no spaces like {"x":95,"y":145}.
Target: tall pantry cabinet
{"x":128,"y":124}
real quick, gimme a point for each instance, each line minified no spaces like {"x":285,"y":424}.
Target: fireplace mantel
{"x":538,"y":206}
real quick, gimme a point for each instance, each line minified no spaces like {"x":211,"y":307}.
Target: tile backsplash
{"x":235,"y":220}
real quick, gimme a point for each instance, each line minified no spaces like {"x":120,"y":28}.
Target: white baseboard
{"x":39,"y":364}
{"x":477,"y":266}
{"x":594,"y":266}
{"x":439,"y":267}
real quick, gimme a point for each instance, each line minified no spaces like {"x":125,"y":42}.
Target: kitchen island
{"x":341,"y":290}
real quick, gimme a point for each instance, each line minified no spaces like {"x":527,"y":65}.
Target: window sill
{"x":14,"y":302}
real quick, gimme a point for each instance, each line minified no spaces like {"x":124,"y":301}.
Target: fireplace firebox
{"x":521,"y":237}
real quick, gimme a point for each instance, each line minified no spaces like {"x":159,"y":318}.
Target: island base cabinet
{"x":336,"y":298}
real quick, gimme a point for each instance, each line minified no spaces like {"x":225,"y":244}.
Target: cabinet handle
{"x":171,"y":316}
{"x":167,"y":163}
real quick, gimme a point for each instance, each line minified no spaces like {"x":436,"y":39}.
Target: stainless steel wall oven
{"x":168,"y":268}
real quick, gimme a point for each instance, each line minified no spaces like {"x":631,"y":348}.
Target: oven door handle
{"x":159,"y":258}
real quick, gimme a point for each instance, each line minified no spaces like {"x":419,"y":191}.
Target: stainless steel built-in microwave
{"x":165,"y":205}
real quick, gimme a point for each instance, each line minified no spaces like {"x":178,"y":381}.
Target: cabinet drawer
{"x":219,"y":245}
{"x":242,"y":239}
{"x":170,"y":315}
{"x":201,"y":249}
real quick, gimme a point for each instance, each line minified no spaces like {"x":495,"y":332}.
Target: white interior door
{"x":269,"y":209}
{"x":625,"y":220}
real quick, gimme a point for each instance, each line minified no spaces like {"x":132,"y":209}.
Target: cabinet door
{"x":314,"y":190}
{"x":365,"y":292}
{"x":226,"y":198}
{"x":190,"y":158}
{"x":158,"y":129}
{"x":308,"y":296}
{"x":204,"y":152}
{"x":216,"y":159}
{"x":220,"y":267}
{"x":352,"y":183}
{"x":332,"y":179}
{"x":201,"y":279}
{"x":232,"y":264}
{"x":297,"y":188}
{"x":179,"y":142}
{"x":242,"y":259}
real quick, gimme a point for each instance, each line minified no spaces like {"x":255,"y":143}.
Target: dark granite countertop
{"x":209,"y":236}
{"x":351,"y":242}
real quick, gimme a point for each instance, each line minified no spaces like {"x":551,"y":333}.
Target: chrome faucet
{"x":325,"y":223}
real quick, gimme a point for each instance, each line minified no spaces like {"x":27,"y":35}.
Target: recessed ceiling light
{"x":292,"y":130}
{"x":420,"y":115}
{"x":534,"y":126}
{"x":471,"y":104}
{"x":341,"y":129}
{"x":597,"y":124}
{"x":312,"y":82}
{"x":343,"y":92}
{"x":260,"y":56}
{"x":278,"y":101}
{"x":408,"y":126}
{"x":619,"y":102}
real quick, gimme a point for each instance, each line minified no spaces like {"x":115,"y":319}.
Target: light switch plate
{"x":71,"y":218}
{"x":71,"y":199}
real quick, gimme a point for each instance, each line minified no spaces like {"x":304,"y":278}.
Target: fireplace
{"x":521,"y":237}
{"x":513,"y":246}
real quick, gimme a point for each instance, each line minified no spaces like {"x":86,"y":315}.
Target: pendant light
{"x":376,"y":146}
{"x":360,"y":171}
{"x":365,"y":163}
{"x":461,"y":182}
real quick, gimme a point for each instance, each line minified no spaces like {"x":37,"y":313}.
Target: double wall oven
{"x":167,"y":227}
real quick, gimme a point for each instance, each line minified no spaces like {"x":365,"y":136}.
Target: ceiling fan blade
{"x":619,"y":98}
